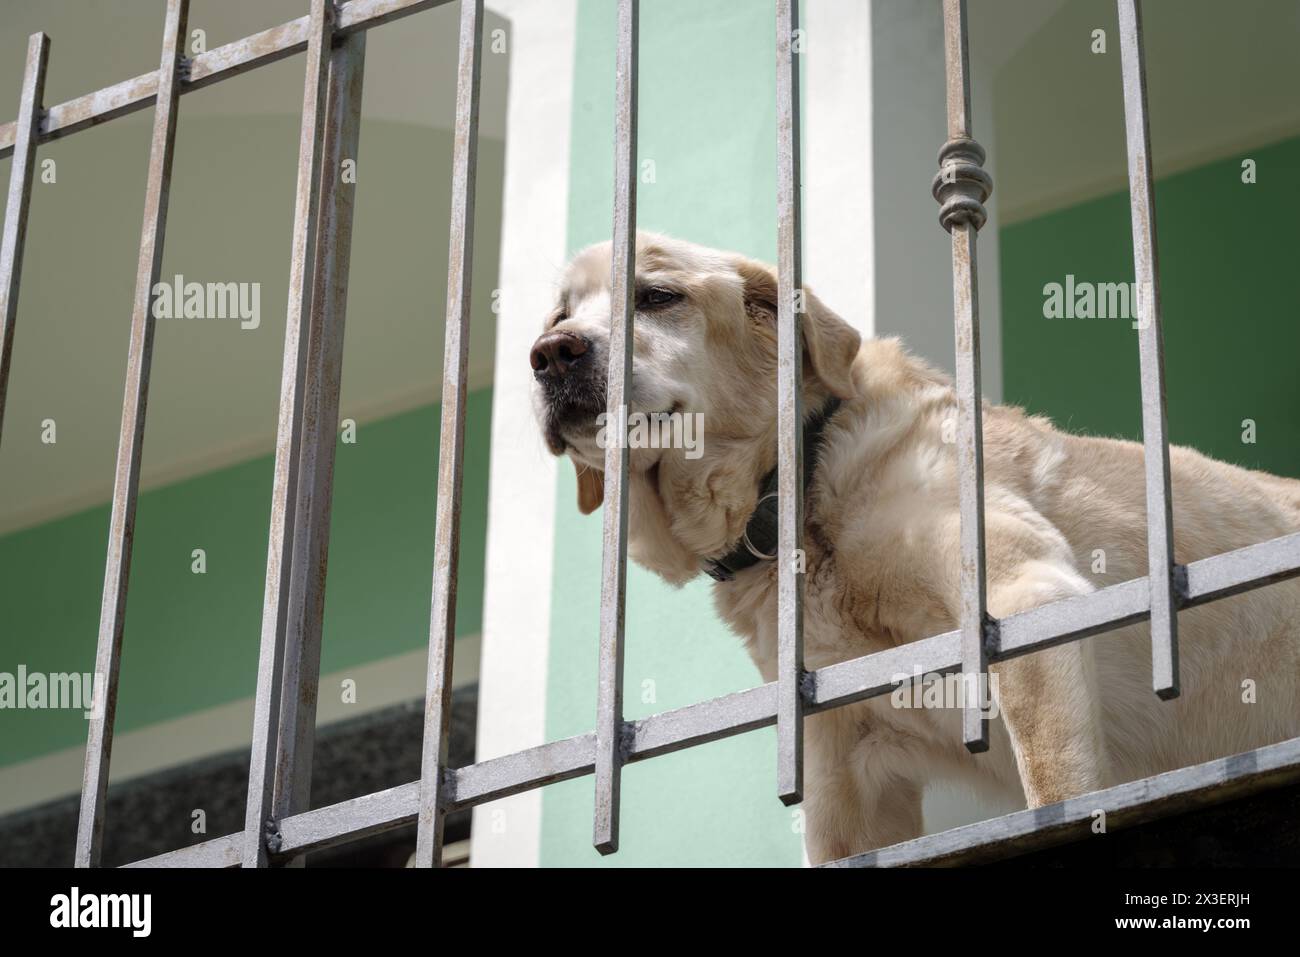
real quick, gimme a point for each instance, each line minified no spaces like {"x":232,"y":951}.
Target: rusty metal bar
{"x":19,"y":202}
{"x":789,"y":390}
{"x":451,"y":443}
{"x":130,"y":449}
{"x":613,"y":584}
{"x":301,"y":679}
{"x":281,"y":629}
{"x":962,"y":186}
{"x":232,"y":59}
{"x":1155,"y":435}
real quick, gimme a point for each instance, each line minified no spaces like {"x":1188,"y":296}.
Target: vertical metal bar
{"x":286,"y":503}
{"x":1155,"y":438}
{"x":19,"y":201}
{"x":961,"y":186}
{"x":609,"y":704}
{"x":789,"y":388}
{"x":301,"y":678}
{"x":451,"y":442}
{"x":126,"y":482}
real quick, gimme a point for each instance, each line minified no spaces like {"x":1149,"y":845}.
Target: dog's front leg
{"x":862,"y":791}
{"x":1048,"y":699}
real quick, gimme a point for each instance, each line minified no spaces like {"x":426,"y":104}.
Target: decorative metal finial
{"x":962,"y":185}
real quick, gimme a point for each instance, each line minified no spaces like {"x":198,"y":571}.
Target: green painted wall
{"x":708,"y":121}
{"x":191,"y":641}
{"x":1228,"y":258}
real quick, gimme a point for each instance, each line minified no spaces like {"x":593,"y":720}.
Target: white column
{"x":521,"y":487}
{"x":838,"y":229}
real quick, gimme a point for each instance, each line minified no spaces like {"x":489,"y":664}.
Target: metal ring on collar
{"x":745,"y":535}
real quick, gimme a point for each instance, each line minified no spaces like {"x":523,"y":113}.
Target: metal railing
{"x":279,"y":828}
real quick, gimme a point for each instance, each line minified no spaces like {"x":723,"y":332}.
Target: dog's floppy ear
{"x":832,"y":346}
{"x":591,"y":489}
{"x":830,"y":343}
{"x":760,"y":289}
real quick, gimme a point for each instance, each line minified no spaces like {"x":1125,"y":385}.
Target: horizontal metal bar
{"x":1072,"y":618}
{"x":476,"y":784}
{"x":367,"y":14}
{"x":230,"y":60}
{"x":1125,"y":805}
{"x":219,"y":852}
{"x":351,"y":820}
{"x":703,"y":722}
{"x":837,"y":685}
{"x":1235,"y":572}
{"x":550,"y":763}
{"x":1034,"y":630}
{"x":833,"y":686}
{"x":522,"y":771}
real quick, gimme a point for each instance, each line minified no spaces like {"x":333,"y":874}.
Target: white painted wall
{"x":521,"y":503}
{"x":839,"y":228}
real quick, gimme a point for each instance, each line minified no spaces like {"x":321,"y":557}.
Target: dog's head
{"x":704,"y":347}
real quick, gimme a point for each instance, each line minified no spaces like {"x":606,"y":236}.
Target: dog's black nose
{"x":555,"y":353}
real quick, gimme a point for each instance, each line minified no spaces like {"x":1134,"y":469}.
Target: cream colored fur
{"x":882,"y":544}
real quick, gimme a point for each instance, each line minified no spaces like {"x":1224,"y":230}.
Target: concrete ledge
{"x":1244,"y":796}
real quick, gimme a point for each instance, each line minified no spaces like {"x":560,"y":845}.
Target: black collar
{"x":759,"y":541}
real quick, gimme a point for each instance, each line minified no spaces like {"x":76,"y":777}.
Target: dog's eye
{"x":657,"y":296}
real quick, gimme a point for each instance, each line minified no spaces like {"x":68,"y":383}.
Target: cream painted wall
{"x":410,"y":74}
{"x":215,"y":387}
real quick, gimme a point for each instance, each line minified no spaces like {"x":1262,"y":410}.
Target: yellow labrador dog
{"x":881,"y":539}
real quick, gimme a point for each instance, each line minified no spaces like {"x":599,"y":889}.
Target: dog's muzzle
{"x":572,"y":385}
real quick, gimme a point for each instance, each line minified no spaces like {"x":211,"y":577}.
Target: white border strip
{"x":839,"y":225}
{"x":839,"y":232}
{"x":521,"y":488}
